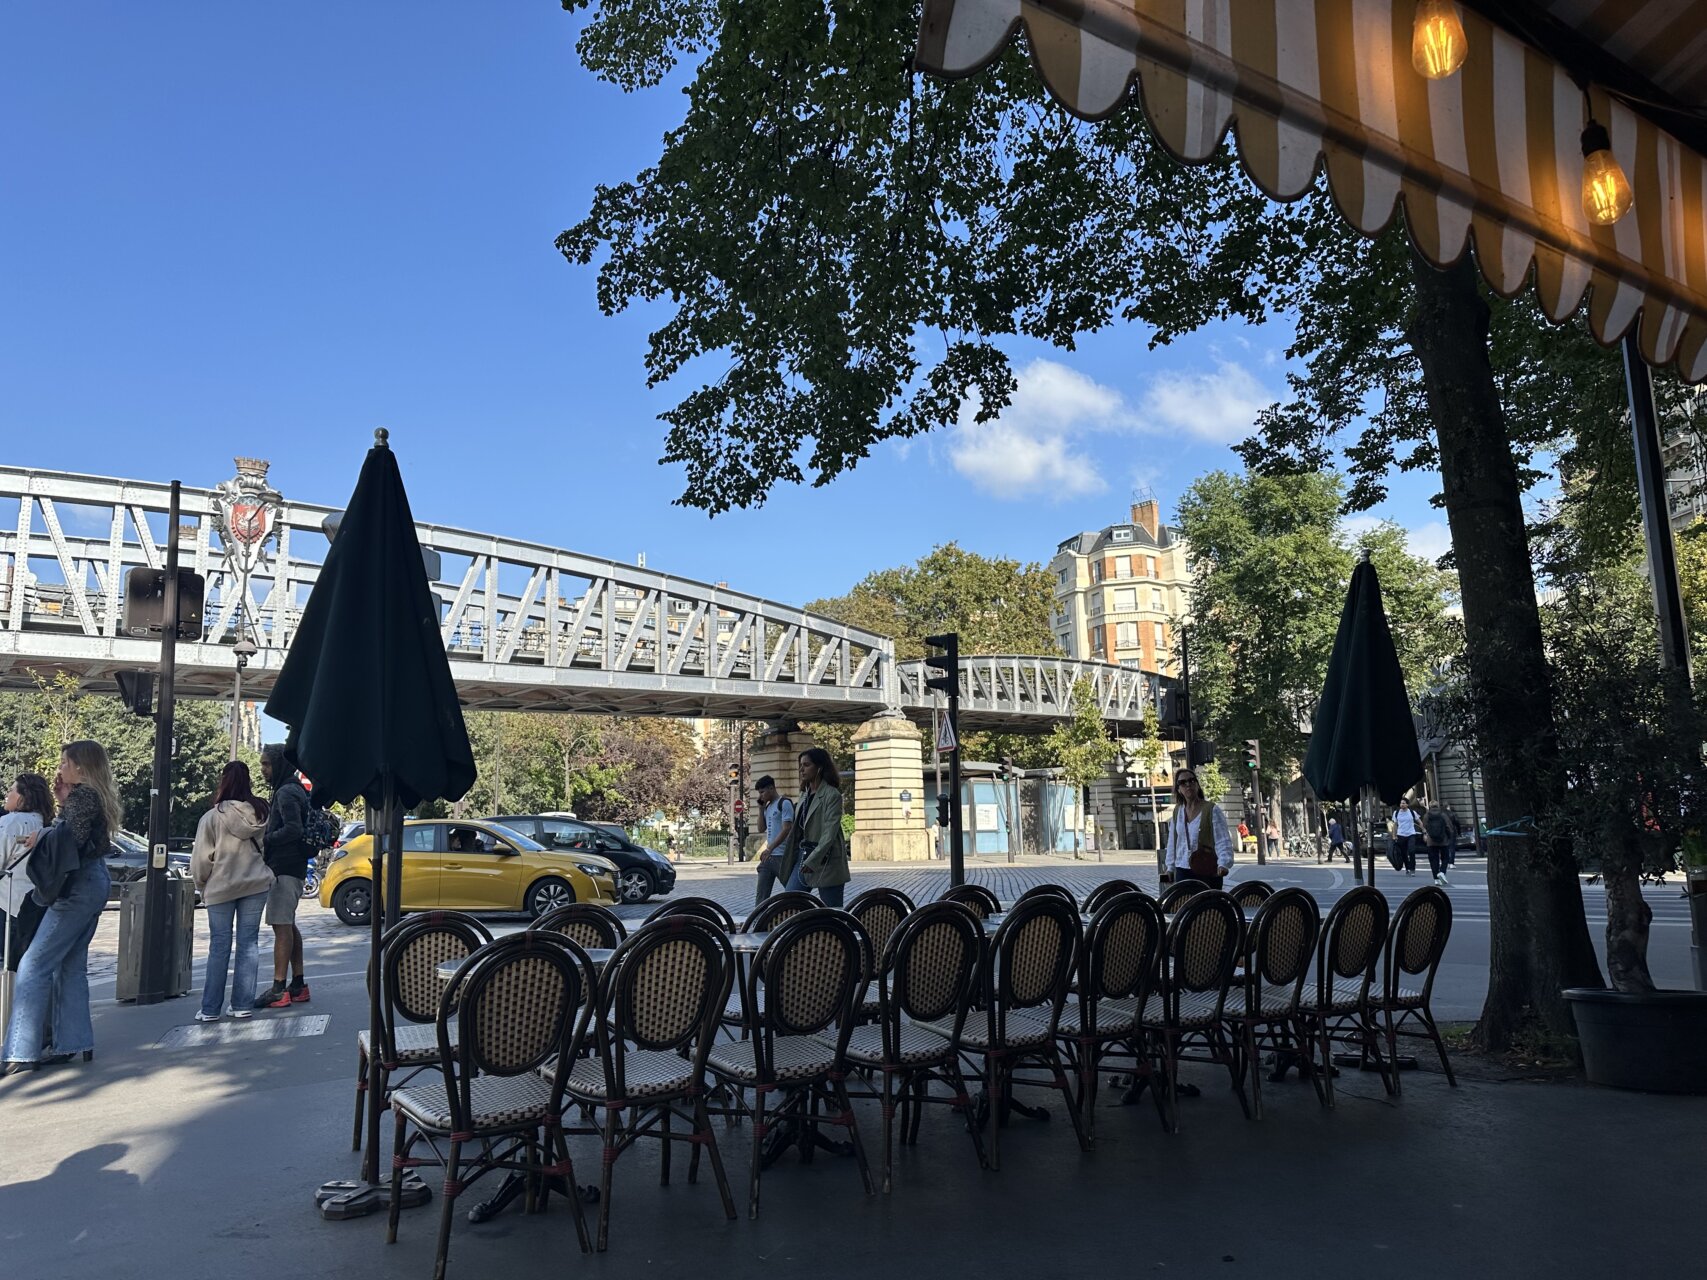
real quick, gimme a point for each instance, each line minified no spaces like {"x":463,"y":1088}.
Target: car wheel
{"x":634,"y":884}
{"x":353,"y":902}
{"x":547,"y":895}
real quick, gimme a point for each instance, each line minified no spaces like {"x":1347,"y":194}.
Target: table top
{"x":995,"y":919}
{"x":448,"y":969}
{"x":747,"y":943}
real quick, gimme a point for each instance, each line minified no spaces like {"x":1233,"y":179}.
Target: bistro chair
{"x":1117,"y":967}
{"x":1106,"y":890}
{"x":1415,"y":943}
{"x":518,"y":1004}
{"x":1033,"y":953}
{"x":810,"y":970}
{"x":1170,"y":900}
{"x":879,"y":912}
{"x":980,"y":900}
{"x":1268,"y":1010}
{"x":586,"y":924}
{"x":409,"y":996}
{"x":1198,"y":957}
{"x":927,"y":974}
{"x":704,"y":908}
{"x":660,"y":1000}
{"x":1250,"y":894}
{"x":1339,"y":1009}
{"x":777,"y":908}
{"x":1041,"y":890}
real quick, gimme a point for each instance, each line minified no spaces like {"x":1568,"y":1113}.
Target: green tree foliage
{"x":1272,"y":564}
{"x":996,"y":606}
{"x":1081,"y":747}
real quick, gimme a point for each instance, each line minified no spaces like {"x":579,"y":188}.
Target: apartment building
{"x":1119,"y":590}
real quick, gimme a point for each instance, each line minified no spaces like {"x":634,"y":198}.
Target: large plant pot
{"x":1655,"y":1041}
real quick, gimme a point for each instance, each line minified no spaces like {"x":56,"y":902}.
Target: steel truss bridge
{"x":527,"y":627}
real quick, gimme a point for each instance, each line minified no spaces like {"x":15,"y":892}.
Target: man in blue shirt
{"x":779,"y":821}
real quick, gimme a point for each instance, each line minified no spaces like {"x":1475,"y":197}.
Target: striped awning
{"x":1492,"y":152}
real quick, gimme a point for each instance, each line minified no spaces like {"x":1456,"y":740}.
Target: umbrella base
{"x":343,"y":1199}
{"x":1405,"y":1061}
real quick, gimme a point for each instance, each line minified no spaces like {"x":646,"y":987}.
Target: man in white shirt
{"x":1406,"y":830}
{"x":779,"y":821}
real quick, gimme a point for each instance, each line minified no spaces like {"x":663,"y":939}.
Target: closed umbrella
{"x":1363,"y":736}
{"x":367,"y":692}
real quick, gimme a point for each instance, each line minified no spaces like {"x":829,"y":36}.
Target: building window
{"x":1096,"y":639}
{"x":1161,"y":634}
{"x":1061,"y":576}
{"x":1123,"y":566}
{"x":1065,"y":640}
{"x":1096,"y":571}
{"x":1149,"y":566}
{"x":1125,"y":599}
{"x":1156,"y":599}
{"x":1122,"y":535}
{"x":1126,"y":635}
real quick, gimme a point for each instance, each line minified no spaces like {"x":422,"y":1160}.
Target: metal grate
{"x":201,"y":1035}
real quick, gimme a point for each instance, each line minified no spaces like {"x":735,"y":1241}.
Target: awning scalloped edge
{"x":1489,"y":156}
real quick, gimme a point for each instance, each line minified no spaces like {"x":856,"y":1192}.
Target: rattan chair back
{"x":1281,"y":941}
{"x":1170,"y":901}
{"x":1034,"y":953}
{"x":930,"y":967}
{"x":664,"y":989}
{"x":409,"y":957}
{"x":777,"y":908}
{"x":1041,"y":890}
{"x":810,"y":968}
{"x":586,"y":924}
{"x":1106,"y":890}
{"x":518,"y":1003}
{"x":980,"y":900}
{"x":1203,"y":945}
{"x":879,"y":912}
{"x":1121,"y":945}
{"x":704,"y":908}
{"x":1351,"y":941}
{"x":1251,"y":893}
{"x":1417,"y":939}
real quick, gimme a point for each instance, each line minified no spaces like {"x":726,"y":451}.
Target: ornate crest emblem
{"x":244,"y":510}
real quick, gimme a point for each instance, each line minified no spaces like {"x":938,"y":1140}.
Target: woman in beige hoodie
{"x":234,"y":881}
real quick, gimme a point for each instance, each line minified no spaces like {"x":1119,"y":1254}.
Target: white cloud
{"x":1220,"y":407}
{"x":1430,"y":540}
{"x":1030,"y":449}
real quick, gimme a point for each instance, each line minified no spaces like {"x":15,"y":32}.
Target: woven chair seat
{"x":1114,"y":1017}
{"x":1196,"y":1009}
{"x":1274,"y":1002}
{"x":918,"y":1045}
{"x":416,"y":1042}
{"x":1025,"y":1028}
{"x":1346,"y":997}
{"x":646,"y":1073}
{"x":1405,"y":999}
{"x":734,"y":1012}
{"x":793,"y":1058}
{"x":497,"y":1102}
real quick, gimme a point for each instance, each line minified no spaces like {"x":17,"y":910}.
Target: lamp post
{"x":243,"y":650}
{"x":245,"y":515}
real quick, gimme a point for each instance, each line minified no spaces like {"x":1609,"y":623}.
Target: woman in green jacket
{"x":816,"y":856}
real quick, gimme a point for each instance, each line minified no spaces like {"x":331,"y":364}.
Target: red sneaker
{"x":283,"y":1002}
{"x":299,"y":995}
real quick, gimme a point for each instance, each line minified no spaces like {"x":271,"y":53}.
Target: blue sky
{"x":269,"y":229}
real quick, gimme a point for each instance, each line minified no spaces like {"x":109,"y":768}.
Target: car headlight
{"x":339,"y":852}
{"x":593,"y":870}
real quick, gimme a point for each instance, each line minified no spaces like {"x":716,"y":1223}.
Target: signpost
{"x":948,"y":743}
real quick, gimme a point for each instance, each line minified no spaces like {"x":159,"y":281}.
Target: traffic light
{"x":947,"y":662}
{"x":734,"y":775}
{"x":1253,"y":754}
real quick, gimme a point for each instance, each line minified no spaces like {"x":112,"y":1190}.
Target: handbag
{"x":1203,"y":863}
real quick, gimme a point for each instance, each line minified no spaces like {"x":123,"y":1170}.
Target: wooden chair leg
{"x":557,"y":1148}
{"x":447,"y":1207}
{"x":1439,"y":1047}
{"x":607,"y":1164}
{"x":957,"y":1081}
{"x":889,"y":1126}
{"x":760,"y":1096}
{"x":993,"y":1084}
{"x":1252,"y":1068}
{"x":1307,"y":1059}
{"x":1392,"y":1050}
{"x":664,"y":1161}
{"x":1170,"y":1068}
{"x":1071,"y":1103}
{"x":846,"y":1104}
{"x":702,"y":1119}
{"x":361,"y":1097}
{"x":396,"y":1205}
{"x":1088,"y":1090}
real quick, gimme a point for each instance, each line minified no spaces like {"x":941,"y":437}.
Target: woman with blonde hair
{"x":68,"y":869}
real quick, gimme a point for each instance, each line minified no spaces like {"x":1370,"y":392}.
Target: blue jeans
{"x":829,"y":894}
{"x":53,"y":980}
{"x":243,"y":914}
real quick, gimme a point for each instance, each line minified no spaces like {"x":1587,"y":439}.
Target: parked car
{"x":350,"y":832}
{"x":468,"y":865}
{"x":641,"y":872}
{"x":127,"y":860}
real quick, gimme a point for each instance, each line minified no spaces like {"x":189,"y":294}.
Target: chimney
{"x":1147,"y":516}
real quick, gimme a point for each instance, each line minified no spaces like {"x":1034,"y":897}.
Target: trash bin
{"x":180,"y":911}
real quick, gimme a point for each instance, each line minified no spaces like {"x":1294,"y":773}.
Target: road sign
{"x":945,"y":740}
{"x":740,"y":806}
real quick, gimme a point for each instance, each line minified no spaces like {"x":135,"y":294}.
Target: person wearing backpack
{"x":288,"y":849}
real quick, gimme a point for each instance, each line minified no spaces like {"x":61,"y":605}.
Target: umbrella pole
{"x":344,"y":1199}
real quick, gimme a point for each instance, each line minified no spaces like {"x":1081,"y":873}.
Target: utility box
{"x":181,"y":911}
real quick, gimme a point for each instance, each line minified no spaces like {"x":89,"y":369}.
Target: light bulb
{"x":1438,"y":43}
{"x":1606,"y":191}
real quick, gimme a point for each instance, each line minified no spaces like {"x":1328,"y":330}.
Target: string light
{"x":1438,"y":43}
{"x":1606,"y":191}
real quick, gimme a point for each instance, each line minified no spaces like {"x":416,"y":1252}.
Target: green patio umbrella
{"x":367,"y":692}
{"x":1363,"y":737}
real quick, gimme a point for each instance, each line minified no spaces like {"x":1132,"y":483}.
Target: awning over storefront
{"x":1492,"y":152}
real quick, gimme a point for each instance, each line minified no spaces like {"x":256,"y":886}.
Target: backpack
{"x":321,"y":828}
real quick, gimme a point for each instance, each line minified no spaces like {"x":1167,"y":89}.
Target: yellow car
{"x":468,"y":866}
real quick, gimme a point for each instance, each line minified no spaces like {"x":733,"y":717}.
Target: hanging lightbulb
{"x":1606,"y":191}
{"x":1438,"y":43}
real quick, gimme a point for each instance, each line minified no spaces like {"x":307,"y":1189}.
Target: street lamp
{"x":243,"y":650}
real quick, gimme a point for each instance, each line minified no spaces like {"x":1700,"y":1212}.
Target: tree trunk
{"x":1539,"y":939}
{"x":1628,"y":917}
